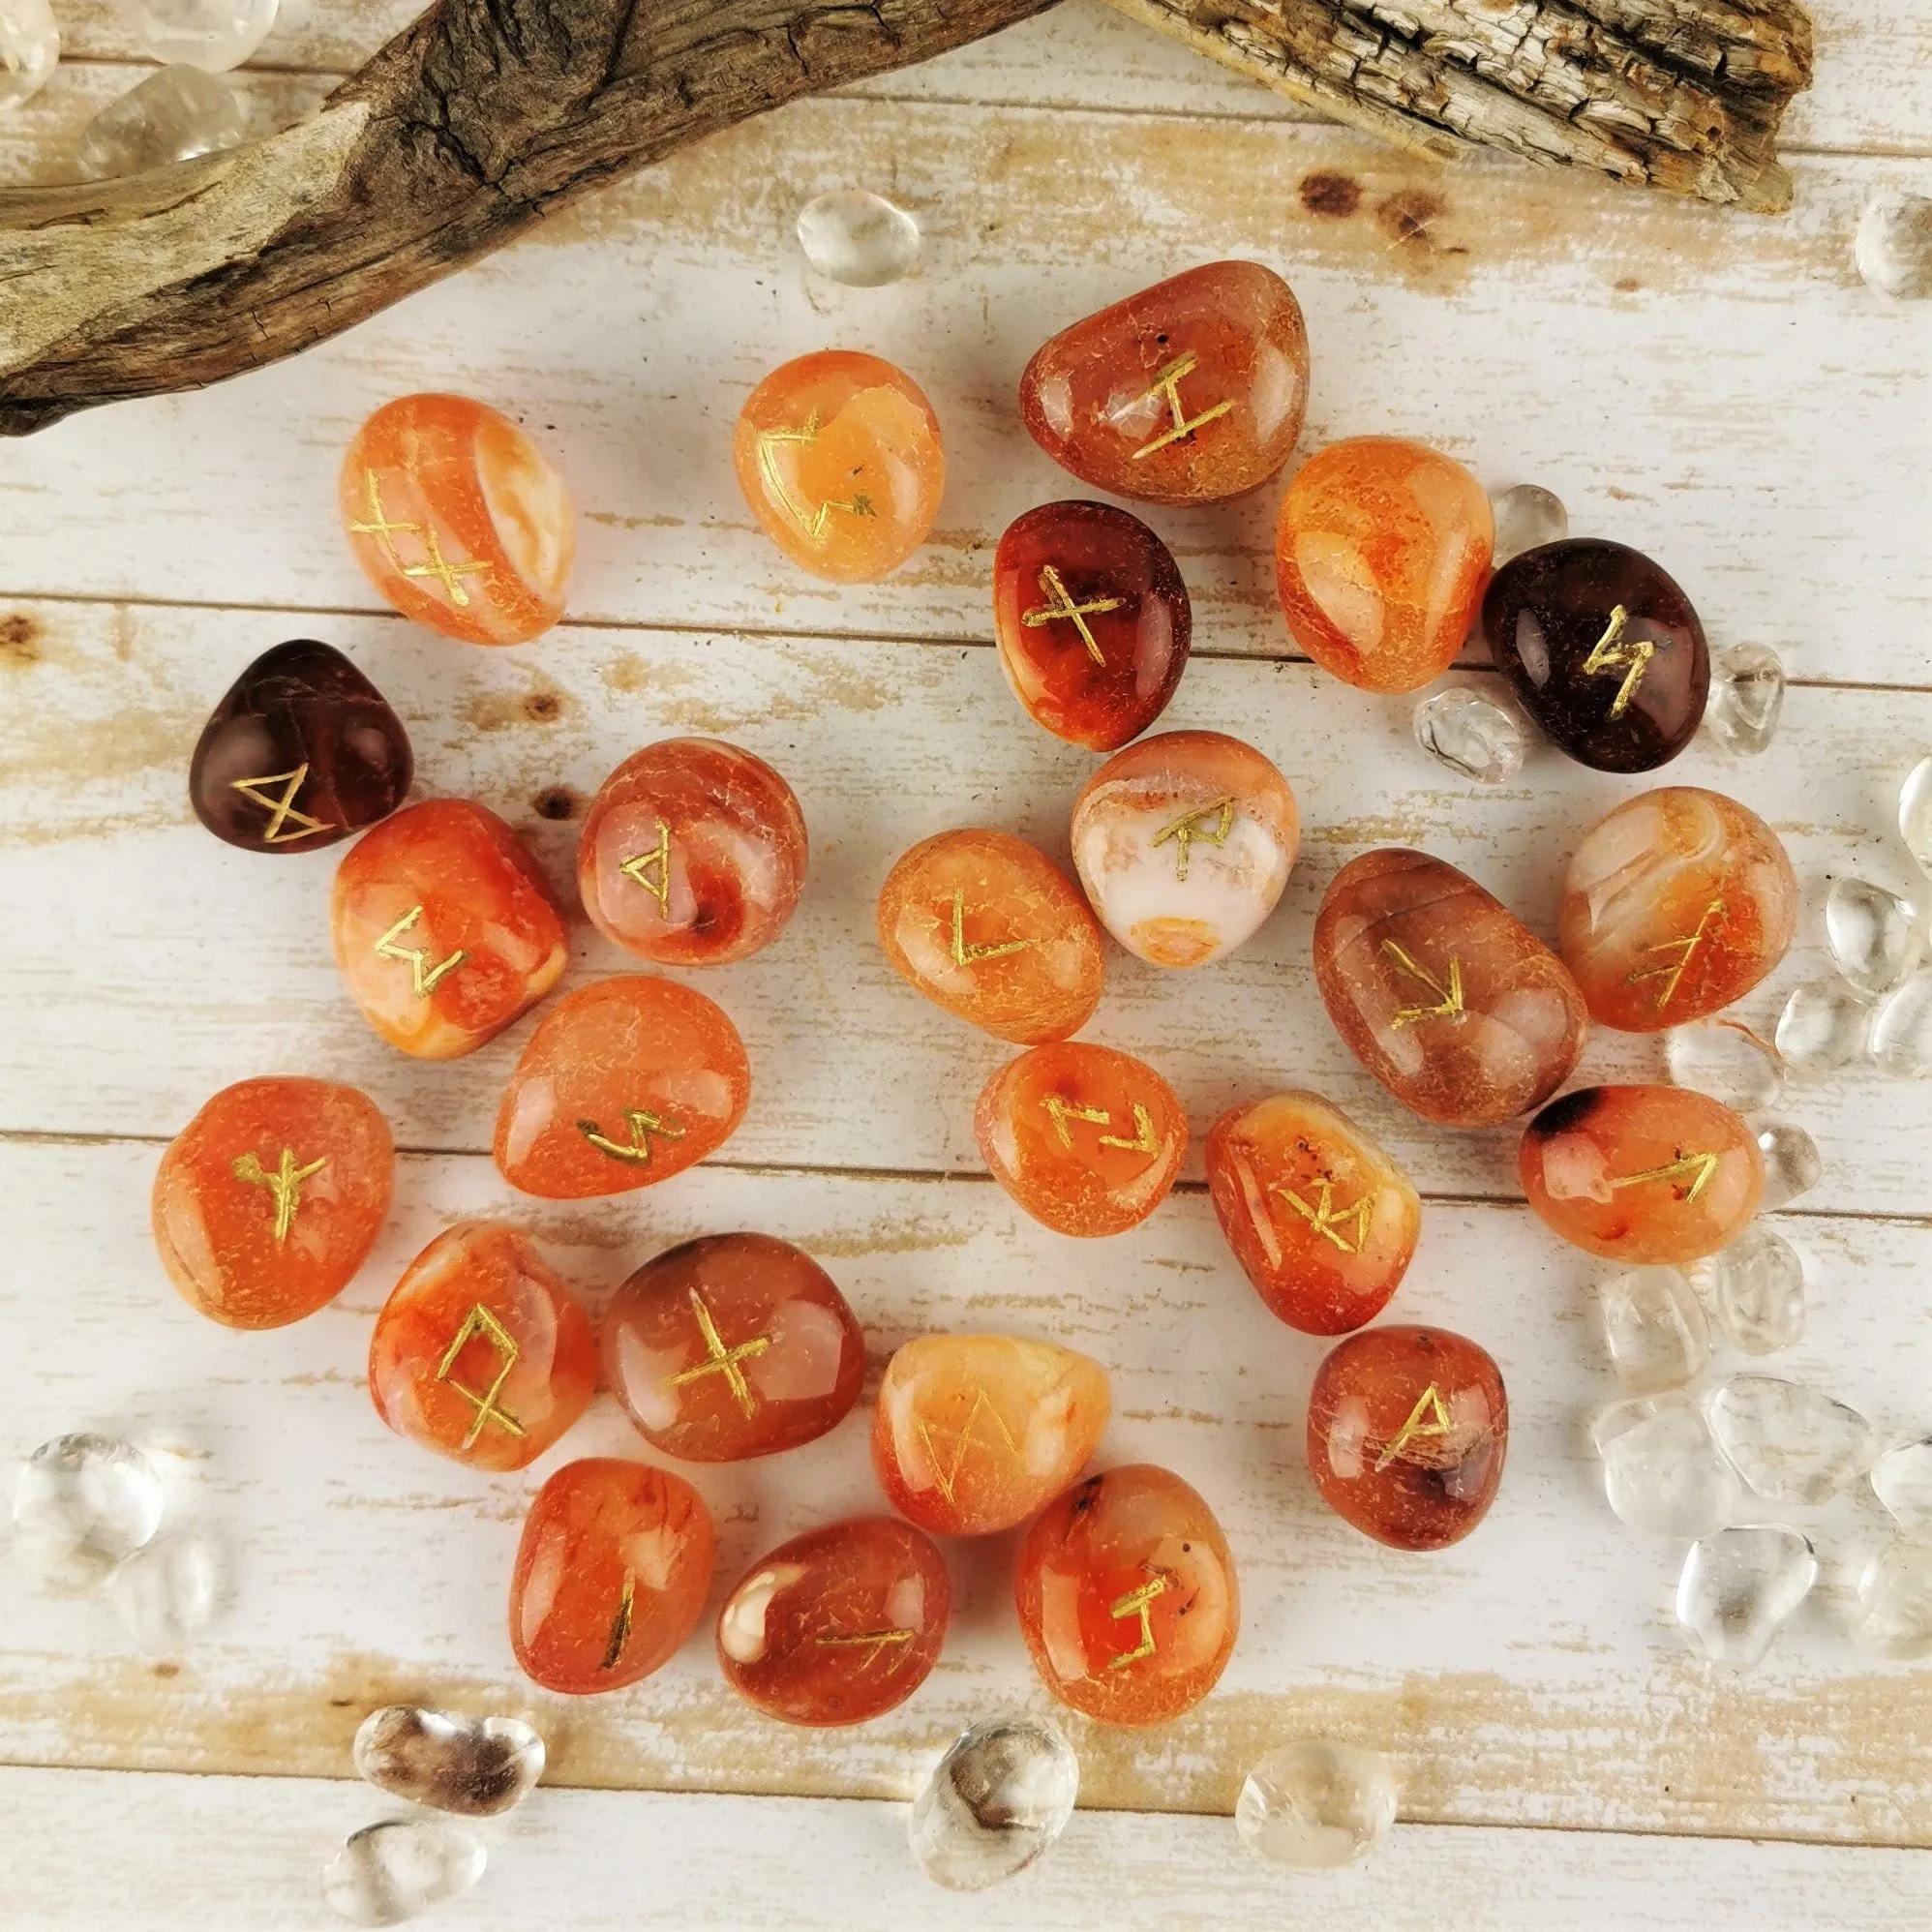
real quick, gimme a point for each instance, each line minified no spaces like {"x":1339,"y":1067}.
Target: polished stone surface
{"x":1317,"y":1805}
{"x":177,"y":113}
{"x":1747,"y":699}
{"x":858,"y":237}
{"x":1528,"y":516}
{"x":1893,"y":245}
{"x":29,"y":50}
{"x":1002,"y":1793}
{"x":1726,"y":1059}
{"x":1873,"y":933}
{"x":1739,"y":1588}
{"x":1790,"y":1442}
{"x":475,"y":1766}
{"x":393,"y":1871}
{"x":1654,"y":1327}
{"x":1662,"y":1470}
{"x":168,"y":1591}
{"x":83,"y":1503}
{"x":1756,"y":1288}
{"x":1470,"y":734}
{"x":1893,"y":1612}
{"x":212,"y":35}
{"x":1825,"y":1028}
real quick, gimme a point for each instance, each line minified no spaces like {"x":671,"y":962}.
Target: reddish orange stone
{"x":693,"y":854}
{"x":479,"y":1352}
{"x":612,"y":1574}
{"x":445,"y":930}
{"x":625,"y":1083}
{"x":1084,"y":1138}
{"x":838,"y":455}
{"x":837,"y":1625}
{"x":1093,"y":622}
{"x":974,"y":1432}
{"x":1322,"y":1220}
{"x":1406,"y":1433}
{"x":991,"y":929}
{"x":1188,"y":392}
{"x":1126,"y":1596}
{"x":270,"y":1198}
{"x":730,"y":1346}
{"x":1641,"y":1174}
{"x":1382,"y":554}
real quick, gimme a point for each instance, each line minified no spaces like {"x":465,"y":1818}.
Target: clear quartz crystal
{"x":1317,"y":1805}
{"x":212,"y":35}
{"x":29,"y":48}
{"x":1726,"y":1059}
{"x":84,"y":1503}
{"x":1790,"y":1442}
{"x":999,"y":1797}
{"x":1756,"y":1287}
{"x":1747,"y":696}
{"x":1894,"y":1610}
{"x":388,"y":1873}
{"x":857,"y":238}
{"x":1914,"y":812}
{"x":1653,"y":1327}
{"x":1528,"y":516}
{"x":173,"y":116}
{"x":1792,"y":1164}
{"x":1738,"y":1587}
{"x":1873,"y":934}
{"x":1823,"y":1030}
{"x":1893,"y":249}
{"x":1901,"y":1036}
{"x":1661,"y":1467}
{"x":476,"y":1766}
{"x":1902,"y":1479}
{"x":167,"y":1593}
{"x":1472,"y":736}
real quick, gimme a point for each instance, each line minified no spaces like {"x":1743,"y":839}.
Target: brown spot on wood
{"x":1328,"y":194}
{"x":1626,"y":285}
{"x":1407,"y":215}
{"x":19,"y":640}
{"x":555,"y":801}
{"x":543,"y":706}
{"x":168,"y":1669}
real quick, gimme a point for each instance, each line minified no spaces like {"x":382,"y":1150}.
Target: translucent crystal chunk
{"x":172,"y":116}
{"x":388,"y":1873}
{"x":1789,"y":1441}
{"x":1873,"y":935}
{"x":1901,"y":1036}
{"x":1737,"y":1587}
{"x":1757,"y":1288}
{"x":1526,"y":516}
{"x":1823,"y":1029}
{"x":1747,"y":696}
{"x":1792,"y":1164}
{"x":1902,"y":1478}
{"x":1661,"y":1468}
{"x":857,"y":238}
{"x":1315,"y":1806}
{"x":1914,"y":812}
{"x":29,"y":48}
{"x":212,"y":35}
{"x":1724,"y":1060}
{"x":1653,"y":1327}
{"x":1894,"y":249}
{"x":167,"y":1593}
{"x":1001,"y":1794}
{"x":1895,"y":1613}
{"x":1472,"y":736}
{"x":474,"y":1765}
{"x":84,"y":1503}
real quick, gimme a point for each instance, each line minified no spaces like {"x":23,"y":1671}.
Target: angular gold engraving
{"x":282,"y":810}
{"x":1671,"y":971}
{"x":480,"y":1324}
{"x":1167,"y":383}
{"x":1610,"y":655}
{"x":947,"y":1473}
{"x":971,"y":955}
{"x":1144,"y":1140}
{"x":1329,"y":1220}
{"x":1448,"y":999}
{"x":721,"y":1361}
{"x":1138,"y":1603}
{"x":1060,"y":605}
{"x":812,"y":522}
{"x":1695,"y":1168}
{"x":876,"y":1644}
{"x":620,"y":1624}
{"x":1428,"y":1417}
{"x":424,"y":979}
{"x":637,"y":868}
{"x":284,"y":1184}
{"x":1190,"y":828}
{"x":643,"y":1124}
{"x":450,"y":575}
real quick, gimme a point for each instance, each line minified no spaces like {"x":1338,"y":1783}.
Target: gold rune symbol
{"x":1138,"y":1603}
{"x":1610,"y":655}
{"x":722,"y":1361}
{"x":1449,"y":998}
{"x":282,"y":811}
{"x":480,"y":1323}
{"x":812,"y":523}
{"x":450,"y":575}
{"x":1168,"y":383}
{"x":1671,"y":971}
{"x":1191,"y":826}
{"x":620,"y":1624}
{"x":877,"y":1644}
{"x":1702,"y":1166}
{"x":423,"y":981}
{"x":970,"y":955}
{"x":636,"y":869}
{"x":1329,"y":1220}
{"x":1427,"y":1404}
{"x":1144,"y":1140}
{"x":643,"y":1125}
{"x":1063,"y":606}
{"x":284,"y":1185}
{"x":962,"y":1442}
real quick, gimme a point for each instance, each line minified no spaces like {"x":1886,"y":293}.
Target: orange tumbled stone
{"x":989,"y":928}
{"x":837,"y":1625}
{"x":1406,"y":1433}
{"x":1084,"y":1138}
{"x":1675,"y":904}
{"x":732,"y":1346}
{"x":612,"y":1574}
{"x":1322,"y":1220}
{"x":1382,"y":553}
{"x":1126,"y":1596}
{"x":974,"y":1432}
{"x":1187,"y":392}
{"x":479,"y":1352}
{"x":458,"y":519}
{"x":838,"y":455}
{"x":270,"y":1198}
{"x":624,"y":1083}
{"x":444,"y":929}
{"x":1641,"y":1174}
{"x":693,"y":854}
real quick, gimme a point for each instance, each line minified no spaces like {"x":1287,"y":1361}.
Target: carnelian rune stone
{"x":1188,"y":392}
{"x":838,"y":455}
{"x":1406,"y":1433}
{"x":974,"y":1432}
{"x":479,"y":1352}
{"x":268,"y":1200}
{"x":624,"y":1083}
{"x":693,"y":854}
{"x":732,"y":1346}
{"x":1641,"y":1174}
{"x":459,"y":520}
{"x":1675,"y":904}
{"x":1382,"y":553}
{"x":1450,"y":1002}
{"x":612,"y":1574}
{"x":1126,"y":1596}
{"x":1323,"y":1223}
{"x":988,"y":927}
{"x":444,"y":929}
{"x":1093,"y":622}
{"x":1085,"y":1138}
{"x":837,"y":1625}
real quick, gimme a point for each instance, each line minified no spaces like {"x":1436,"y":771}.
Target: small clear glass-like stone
{"x":1914,"y":812}
{"x":1528,"y":516}
{"x":476,"y":1766}
{"x":1873,"y":934}
{"x":1790,"y":1442}
{"x":857,"y":238}
{"x":1315,"y":1806}
{"x":1756,"y":1288}
{"x":1724,"y":1060}
{"x":173,"y":116}
{"x":29,"y":48}
{"x":1902,"y":1478}
{"x":1661,"y":1468}
{"x":1001,"y":1794}
{"x":1474,"y":737}
{"x":1894,"y":249}
{"x":1901,"y":1036}
{"x":84,"y":1503}
{"x":1895,"y":1613}
{"x":212,"y":35}
{"x":1747,"y":696}
{"x":388,"y":1873}
{"x":1823,"y":1029}
{"x":1793,"y":1163}
{"x":1737,"y":1587}
{"x":1653,"y":1327}
{"x":167,"y":1593}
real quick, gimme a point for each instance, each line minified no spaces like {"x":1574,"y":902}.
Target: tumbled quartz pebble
{"x":1738,"y":1587}
{"x":1893,"y":249}
{"x":1873,"y":935}
{"x":1526,"y":517}
{"x":1654,"y":1327}
{"x":388,"y":1873}
{"x":1724,"y":1060}
{"x":1894,"y":1607}
{"x":1747,"y":697}
{"x":1901,"y":1036}
{"x":857,"y":238}
{"x":212,"y":35}
{"x":1914,"y":812}
{"x":1472,"y":736}
{"x":1792,"y":1164}
{"x":478,"y":1766}
{"x":1790,"y":1442}
{"x":29,"y":49}
{"x":998,"y":1799}
{"x":1902,"y":1480}
{"x":167,"y":1593}
{"x":1755,"y":1287}
{"x":1315,"y":1806}
{"x":173,"y":116}
{"x":1823,"y":1030}
{"x":84,"y":1504}
{"x":1662,"y":1470}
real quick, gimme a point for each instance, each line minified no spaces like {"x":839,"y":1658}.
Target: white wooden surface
{"x":1719,"y":390}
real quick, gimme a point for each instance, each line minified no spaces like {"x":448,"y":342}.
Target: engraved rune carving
{"x":480,"y":1324}
{"x":450,"y":575}
{"x":1428,"y":1417}
{"x":620,"y":1624}
{"x":1144,"y":1140}
{"x":1610,"y":655}
{"x":643,"y":1125}
{"x":1192,"y":827}
{"x":812,"y":522}
{"x":876,"y":1644}
{"x":1448,"y":999}
{"x":637,"y":868}
{"x":1695,"y":1168}
{"x":1671,"y":971}
{"x":1167,"y":383}
{"x":721,"y":1361}
{"x":424,"y":979}
{"x":1060,"y":605}
{"x":1329,"y":1220}
{"x":971,"y":955}
{"x":284,"y":1184}
{"x":946,"y":1471}
{"x":1138,"y":1603}
{"x":282,"y":810}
